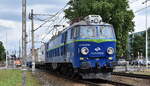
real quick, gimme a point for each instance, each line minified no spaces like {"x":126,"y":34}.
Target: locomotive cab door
{"x":65,"y":45}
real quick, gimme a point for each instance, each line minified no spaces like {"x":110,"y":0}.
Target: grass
{"x":14,"y":78}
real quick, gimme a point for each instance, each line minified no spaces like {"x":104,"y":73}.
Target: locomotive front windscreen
{"x":103,"y":32}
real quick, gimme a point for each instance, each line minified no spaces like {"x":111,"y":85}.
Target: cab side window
{"x":69,"y":35}
{"x":74,"y":32}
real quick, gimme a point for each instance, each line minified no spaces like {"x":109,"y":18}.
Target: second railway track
{"x":132,"y":79}
{"x":131,"y":75}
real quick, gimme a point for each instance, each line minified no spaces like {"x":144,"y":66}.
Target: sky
{"x":10,"y":18}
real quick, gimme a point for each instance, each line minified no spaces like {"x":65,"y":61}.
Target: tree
{"x":138,"y":45}
{"x":115,"y":12}
{"x":2,"y":51}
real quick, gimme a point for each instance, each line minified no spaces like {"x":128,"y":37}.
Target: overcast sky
{"x":10,"y":17}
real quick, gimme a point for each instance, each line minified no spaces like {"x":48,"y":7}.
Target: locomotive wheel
{"x":70,"y":71}
{"x":54,"y":66}
{"x":62,"y":69}
{"x":67,"y":70}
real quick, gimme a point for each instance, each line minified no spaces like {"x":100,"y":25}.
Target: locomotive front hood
{"x":96,"y":49}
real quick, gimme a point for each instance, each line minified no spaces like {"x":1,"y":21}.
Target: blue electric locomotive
{"x":87,"y":47}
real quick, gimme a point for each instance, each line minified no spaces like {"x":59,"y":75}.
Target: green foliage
{"x":115,"y":12}
{"x":2,"y":51}
{"x":138,"y":45}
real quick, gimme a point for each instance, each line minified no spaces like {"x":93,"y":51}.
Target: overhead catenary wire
{"x":133,"y":1}
{"x":58,"y":22}
{"x":55,"y":22}
{"x":142,"y":9}
{"x":51,"y":17}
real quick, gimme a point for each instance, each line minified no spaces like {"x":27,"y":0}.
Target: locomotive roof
{"x":76,"y":24}
{"x":83,"y":23}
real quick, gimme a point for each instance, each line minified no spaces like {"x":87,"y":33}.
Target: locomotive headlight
{"x":84,"y":50}
{"x":110,"y":50}
{"x":110,"y":58}
{"x":81,"y":58}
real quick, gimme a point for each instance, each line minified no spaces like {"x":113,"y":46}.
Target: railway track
{"x":95,"y":82}
{"x":132,"y":79}
{"x":101,"y":82}
{"x":131,"y":75}
{"x":89,"y":82}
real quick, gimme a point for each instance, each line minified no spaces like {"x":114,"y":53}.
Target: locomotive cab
{"x":94,"y":45}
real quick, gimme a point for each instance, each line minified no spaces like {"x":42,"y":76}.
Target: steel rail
{"x":90,"y":82}
{"x":131,"y":75}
